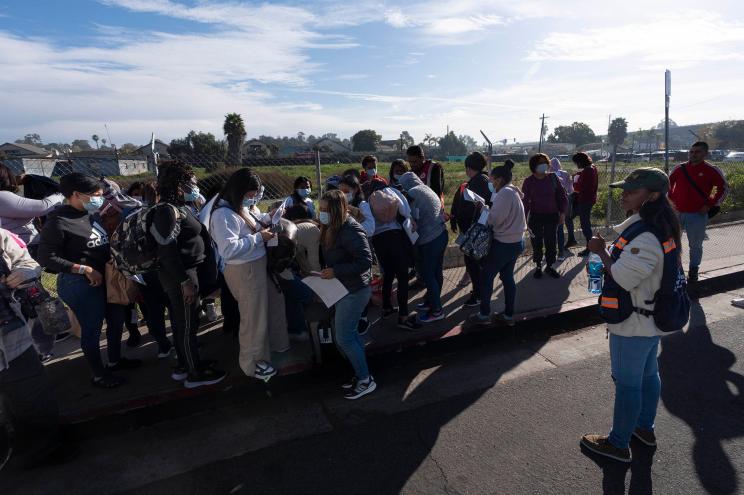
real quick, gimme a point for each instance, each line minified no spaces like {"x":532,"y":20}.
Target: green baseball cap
{"x":649,"y":178}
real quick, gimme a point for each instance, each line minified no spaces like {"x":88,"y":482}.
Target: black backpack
{"x":671,"y":302}
{"x":282,"y":256}
{"x":133,"y":248}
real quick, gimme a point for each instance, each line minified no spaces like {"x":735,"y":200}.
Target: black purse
{"x":714,"y":210}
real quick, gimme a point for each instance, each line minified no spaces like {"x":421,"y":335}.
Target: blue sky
{"x":168,"y":66}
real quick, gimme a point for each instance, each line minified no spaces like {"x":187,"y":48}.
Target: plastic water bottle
{"x":595,"y":267}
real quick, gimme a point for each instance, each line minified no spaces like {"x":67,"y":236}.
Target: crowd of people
{"x":222,"y":243}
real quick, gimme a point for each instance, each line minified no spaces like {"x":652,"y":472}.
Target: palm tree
{"x":234,"y":129}
{"x":95,"y":138}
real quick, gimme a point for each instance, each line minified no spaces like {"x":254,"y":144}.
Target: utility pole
{"x":667,"y":94}
{"x":542,"y":127}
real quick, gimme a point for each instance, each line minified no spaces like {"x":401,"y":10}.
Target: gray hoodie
{"x":426,"y":208}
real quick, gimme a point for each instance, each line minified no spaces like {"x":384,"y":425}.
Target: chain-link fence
{"x":278,"y":175}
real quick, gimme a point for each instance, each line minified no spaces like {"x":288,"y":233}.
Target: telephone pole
{"x":542,"y":127}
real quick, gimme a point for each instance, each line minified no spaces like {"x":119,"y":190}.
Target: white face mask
{"x":372,"y":172}
{"x":349,"y":197}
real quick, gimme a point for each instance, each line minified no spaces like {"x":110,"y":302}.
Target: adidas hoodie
{"x":72,"y":237}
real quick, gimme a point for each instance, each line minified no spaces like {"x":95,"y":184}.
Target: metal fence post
{"x":608,"y":219}
{"x":317,"y":172}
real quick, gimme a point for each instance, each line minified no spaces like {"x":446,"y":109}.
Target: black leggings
{"x":543,"y":227}
{"x":184,"y":321}
{"x":392,"y":253}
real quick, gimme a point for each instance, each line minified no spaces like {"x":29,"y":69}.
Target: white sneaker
{"x":211,"y":311}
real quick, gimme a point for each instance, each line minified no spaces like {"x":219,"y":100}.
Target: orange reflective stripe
{"x":610,"y":302}
{"x":620,"y":243}
{"x":669,"y":245}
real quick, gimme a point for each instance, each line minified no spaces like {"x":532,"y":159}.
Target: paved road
{"x":502,"y":417}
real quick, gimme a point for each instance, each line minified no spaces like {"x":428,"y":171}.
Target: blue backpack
{"x":671,"y":302}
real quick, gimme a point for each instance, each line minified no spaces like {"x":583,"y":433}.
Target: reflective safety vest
{"x":671,"y":302}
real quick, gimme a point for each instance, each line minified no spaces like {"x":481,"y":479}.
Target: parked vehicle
{"x":734,"y":156}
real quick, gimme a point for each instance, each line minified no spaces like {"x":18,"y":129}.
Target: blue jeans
{"x":90,"y":308}
{"x":431,"y":262}
{"x":500,"y":260}
{"x":635,"y":371}
{"x":348,"y":311}
{"x":296,"y":296}
{"x":694,"y":224}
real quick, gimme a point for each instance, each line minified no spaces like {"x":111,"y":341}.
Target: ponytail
{"x":662,"y":219}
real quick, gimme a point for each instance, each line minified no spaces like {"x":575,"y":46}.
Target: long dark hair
{"x":235,"y":189}
{"x":353,"y":182}
{"x":662,"y":219}
{"x":172,"y":176}
{"x":7,"y":179}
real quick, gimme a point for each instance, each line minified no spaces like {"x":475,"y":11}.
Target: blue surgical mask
{"x":542,"y":168}
{"x":192,"y":195}
{"x":304,"y":193}
{"x":93,"y":204}
{"x":324,"y":217}
{"x":349,"y":197}
{"x":248,"y":202}
{"x":491,"y":187}
{"x":372,"y":172}
{"x":397,"y":176}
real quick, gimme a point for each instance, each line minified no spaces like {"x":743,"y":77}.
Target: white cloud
{"x":677,"y":38}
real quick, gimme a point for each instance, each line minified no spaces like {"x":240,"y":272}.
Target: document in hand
{"x":330,"y":291}
{"x":471,"y":196}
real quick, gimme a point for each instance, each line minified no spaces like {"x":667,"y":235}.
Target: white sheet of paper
{"x":330,"y":291}
{"x":483,"y":219}
{"x":472,"y":197}
{"x":408,"y":228}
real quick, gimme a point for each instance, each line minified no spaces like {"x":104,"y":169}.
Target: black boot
{"x":692,"y":275}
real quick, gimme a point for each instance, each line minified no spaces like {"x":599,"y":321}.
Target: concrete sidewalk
{"x":151,"y":384}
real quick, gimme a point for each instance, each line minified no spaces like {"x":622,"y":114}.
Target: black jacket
{"x":73,"y":237}
{"x":180,"y":241}
{"x":463,"y":212}
{"x":350,"y":256}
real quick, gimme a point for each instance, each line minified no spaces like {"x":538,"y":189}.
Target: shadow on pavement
{"x":614,"y":473}
{"x":695,"y":377}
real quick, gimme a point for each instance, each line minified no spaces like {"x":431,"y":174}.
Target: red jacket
{"x":707,"y":177}
{"x":586,"y":187}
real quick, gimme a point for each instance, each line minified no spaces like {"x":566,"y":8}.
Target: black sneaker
{"x":264,"y":371}
{"x":361,"y":388}
{"x":134,"y":338}
{"x":363,"y":326}
{"x":388,"y":312}
{"x":472,"y":302}
{"x":409,"y":323}
{"x":208,"y":376}
{"x":600,"y":444}
{"x":179,"y":373}
{"x":538,"y":272}
{"x":551,"y":271}
{"x":124,"y":364}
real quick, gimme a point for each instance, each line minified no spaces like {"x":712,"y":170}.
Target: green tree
{"x":577,"y":133}
{"x":202,"y":148}
{"x":617,"y":133}
{"x":365,"y":140}
{"x":234,"y":129}
{"x":406,"y":140}
{"x":81,"y":145}
{"x":730,"y":134}
{"x":469,"y":142}
{"x":95,"y":139}
{"x":451,"y":145}
{"x":128,"y":149}
{"x":33,"y":139}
